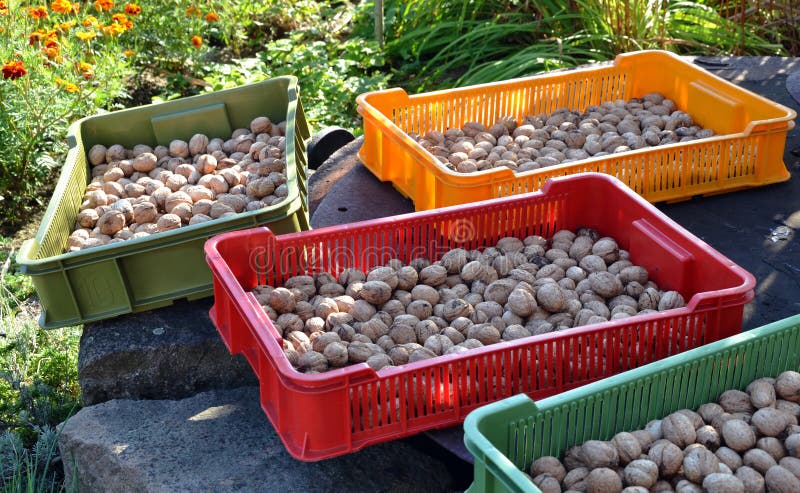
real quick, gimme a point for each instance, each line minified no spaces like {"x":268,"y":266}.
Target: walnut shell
{"x":699,"y":463}
{"x":546,"y":483}
{"x":736,"y":401}
{"x":596,"y":453}
{"x":722,"y":483}
{"x":770,"y":421}
{"x":670,"y":300}
{"x":607,"y":249}
{"x":433,"y":275}
{"x":605,"y":284}
{"x":522,"y":302}
{"x":603,"y":480}
{"x":709,"y":437}
{"x":667,"y":456}
{"x":198,"y":144}
{"x":792,"y":444}
{"x":548,"y":465}
{"x":759,"y":460}
{"x":752,"y":480}
{"x":97,"y":154}
{"x":780,"y":480}
{"x":312,"y":361}
{"x":641,"y":472}
{"x":376,"y":292}
{"x":111,"y":222}
{"x":792,"y":464}
{"x":787,"y":386}
{"x":709,"y":411}
{"x":678,"y":429}
{"x":628,"y":447}
{"x":485,"y":333}
{"x":738,"y":435}
{"x":550,"y":296}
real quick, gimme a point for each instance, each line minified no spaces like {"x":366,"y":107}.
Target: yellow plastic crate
{"x":746,"y":152}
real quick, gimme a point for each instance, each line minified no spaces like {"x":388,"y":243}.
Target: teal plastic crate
{"x":505,"y":437}
{"x":146,"y":273}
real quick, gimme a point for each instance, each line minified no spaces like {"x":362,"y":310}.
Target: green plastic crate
{"x":147,"y":273}
{"x":506,"y":436}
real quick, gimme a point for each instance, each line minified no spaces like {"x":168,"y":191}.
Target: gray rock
{"x":221,"y":441}
{"x":170,"y":353}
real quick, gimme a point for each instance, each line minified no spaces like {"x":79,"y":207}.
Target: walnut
{"x":699,"y":463}
{"x":426,"y":293}
{"x":667,"y":456}
{"x":607,"y":249}
{"x":752,"y":480}
{"x":597,"y":453}
{"x":686,"y":486}
{"x":312,"y":361}
{"x":736,"y":401}
{"x":420,"y":354}
{"x":709,"y":411}
{"x":787,"y":386}
{"x":485,"y":333}
{"x":115,"y":153}
{"x":792,"y":444}
{"x":376,"y":292}
{"x":708,"y":436}
{"x":678,"y":429}
{"x":605,"y":284}
{"x":644,"y":438}
{"x":260,"y":125}
{"x":433,"y":275}
{"x":456,"y":308}
{"x":628,"y":447}
{"x":603,"y":480}
{"x":772,"y":446}
{"x":738,"y":435}
{"x":641,"y":472}
{"x":758,"y":459}
{"x":551,"y":297}
{"x":97,"y":154}
{"x":575,"y":479}
{"x":548,"y":465}
{"x":780,"y":480}
{"x":282,"y":300}
{"x":321,"y":342}
{"x":729,"y":457}
{"x":792,"y":464}
{"x":379,"y":361}
{"x":670,"y":300}
{"x":592,"y":263}
{"x":722,"y":483}
{"x":770,"y":421}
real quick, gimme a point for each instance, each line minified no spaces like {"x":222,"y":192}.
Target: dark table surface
{"x":756,"y":228}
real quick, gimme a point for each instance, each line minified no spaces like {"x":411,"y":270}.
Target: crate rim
{"x":25,"y":255}
{"x":503,"y":174}
{"x":480,"y":446}
{"x":265,"y":334}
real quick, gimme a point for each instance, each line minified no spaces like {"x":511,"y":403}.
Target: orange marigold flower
{"x":61,"y":6}
{"x":89,"y":20}
{"x":39,"y":12}
{"x":3,"y":7}
{"x":212,"y":17}
{"x":114,"y":29}
{"x":190,"y":12}
{"x":86,"y":70}
{"x":119,"y":18}
{"x":70,"y":87}
{"x":13,"y":70}
{"x":86,"y":35}
{"x":133,"y":9}
{"x":104,"y":5}
{"x":128,"y":53}
{"x":51,"y":51}
{"x":197,"y":41}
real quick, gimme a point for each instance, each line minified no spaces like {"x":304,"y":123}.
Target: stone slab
{"x":172,"y":353}
{"x":221,"y":441}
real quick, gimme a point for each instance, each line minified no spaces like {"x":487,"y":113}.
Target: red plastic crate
{"x":341,"y":411}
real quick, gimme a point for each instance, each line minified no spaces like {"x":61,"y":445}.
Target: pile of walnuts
{"x":563,"y":136}
{"x":746,"y":442}
{"x":142,"y":191}
{"x":398,"y":313}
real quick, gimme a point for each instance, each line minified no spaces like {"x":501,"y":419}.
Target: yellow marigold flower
{"x":104,"y":5}
{"x":61,"y":6}
{"x":89,"y":20}
{"x":66,"y":26}
{"x":212,"y":17}
{"x":86,"y":35}
{"x":51,"y":51}
{"x":197,"y":41}
{"x":114,"y":29}
{"x":119,"y":18}
{"x":128,"y":53}
{"x":70,"y":87}
{"x":133,"y":9}
{"x":39,"y":12}
{"x":3,"y":7}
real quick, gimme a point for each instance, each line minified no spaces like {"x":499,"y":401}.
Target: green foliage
{"x":61,"y":77}
{"x":466,"y":43}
